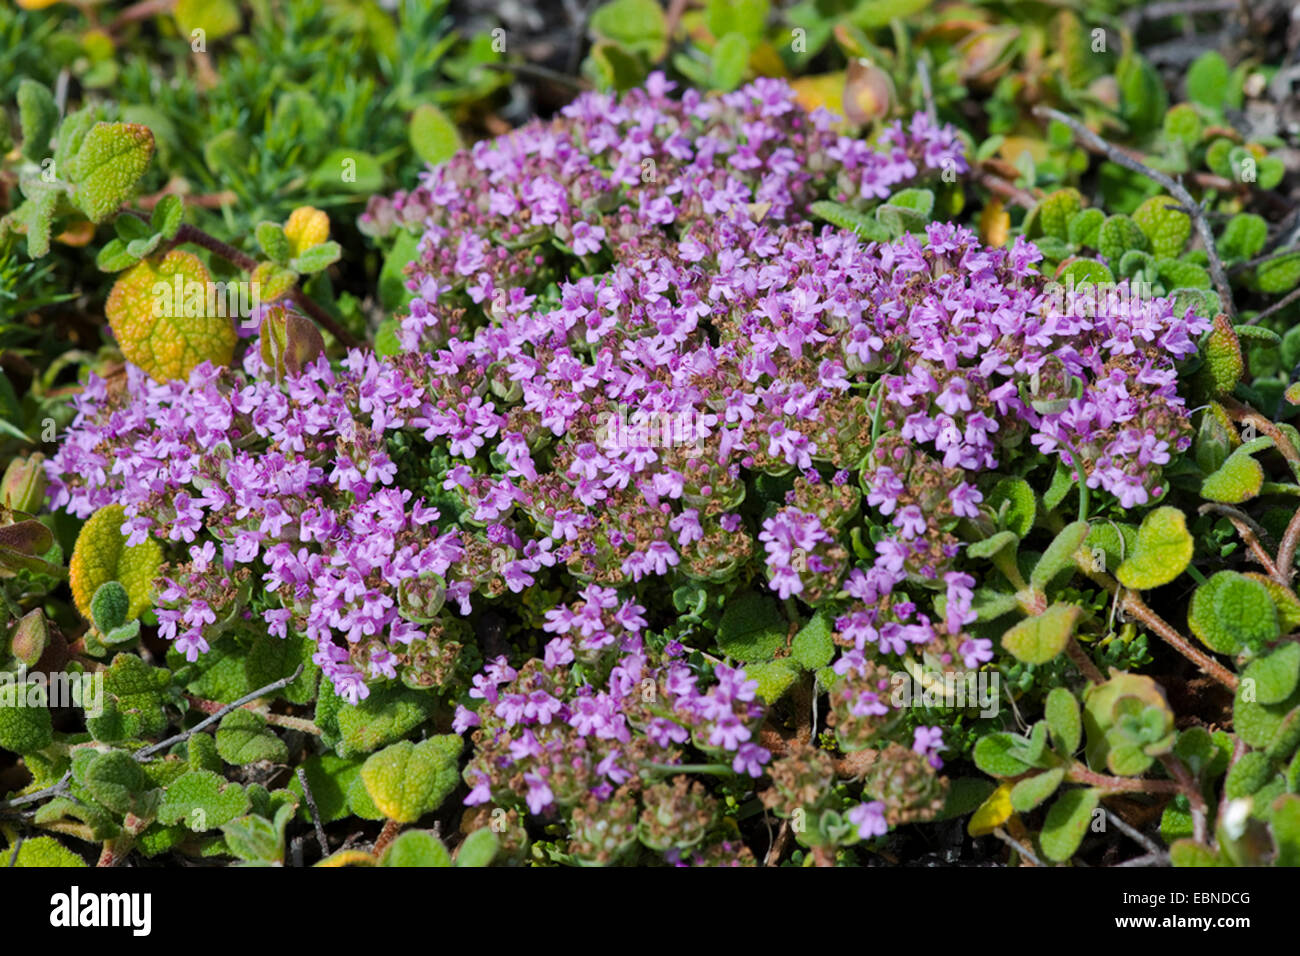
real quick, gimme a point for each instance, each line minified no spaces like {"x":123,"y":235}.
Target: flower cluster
{"x":621,"y":322}
{"x":599,"y":708}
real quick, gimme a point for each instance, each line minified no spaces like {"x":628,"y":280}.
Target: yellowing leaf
{"x":349,"y":858}
{"x":307,"y":227}
{"x":993,"y":812}
{"x":825,"y":90}
{"x":165,"y":333}
{"x":408,"y":780}
{"x":1162,"y":551}
{"x":995,"y":224}
{"x":101,"y":555}
{"x":1037,"y":640}
{"x":217,"y":18}
{"x":273,"y":281}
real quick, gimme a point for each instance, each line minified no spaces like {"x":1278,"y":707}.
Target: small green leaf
{"x":1275,"y":675}
{"x":1059,"y":554}
{"x":1085,"y":226}
{"x":1167,"y":229}
{"x":244,"y":738}
{"x":1032,"y":791}
{"x":167,"y":216}
{"x":814,"y":645}
{"x":383,"y":717}
{"x":478,"y":849}
{"x":1014,"y":505}
{"x":1119,"y":234}
{"x":992,"y":544}
{"x":730,"y":60}
{"x":1248,"y":775}
{"x":109,"y":606}
{"x":1162,"y":551}
{"x":416,"y":848}
{"x":1208,"y":80}
{"x":1238,"y":479}
{"x":317,"y":258}
{"x":1067,"y":823}
{"x":638,"y":25}
{"x":273,"y":242}
{"x":844,"y":217}
{"x":1056,"y":211}
{"x":42,"y":851}
{"x":37,"y":115}
{"x":1243,"y":237}
{"x":1189,"y":853}
{"x":114,"y":257}
{"x":774,"y":677}
{"x":1037,"y":640}
{"x":1215,"y":615}
{"x":202,"y":800}
{"x":1278,"y":275}
{"x":434,"y":137}
{"x":752,"y":628}
{"x":994,"y":754}
{"x":1062,"y":713}
{"x":111,"y":161}
{"x":1083,"y":274}
{"x":23,"y":728}
{"x":115,"y":780}
{"x":408,"y":780}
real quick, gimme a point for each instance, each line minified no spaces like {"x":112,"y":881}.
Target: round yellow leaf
{"x":163,"y":316}
{"x":307,"y":227}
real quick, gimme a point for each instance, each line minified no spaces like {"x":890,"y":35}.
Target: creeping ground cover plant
{"x":714,"y":495}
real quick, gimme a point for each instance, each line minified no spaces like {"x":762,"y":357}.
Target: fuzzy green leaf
{"x":1029,"y":793}
{"x":1037,"y":640}
{"x":1059,"y":554}
{"x":1216,"y":609}
{"x":478,"y":849}
{"x":1162,"y":551}
{"x":416,"y":848}
{"x":1167,"y":230}
{"x":434,"y":137}
{"x":202,"y":800}
{"x":111,"y":161}
{"x":37,"y":115}
{"x":408,"y":780}
{"x":814,"y":645}
{"x":1067,"y":822}
{"x":1063,"y":719}
{"x":1238,"y":479}
{"x":1275,"y":675}
{"x":752,"y":628}
{"x":244,"y":738}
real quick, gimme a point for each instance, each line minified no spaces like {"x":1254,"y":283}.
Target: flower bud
{"x":289,"y":342}
{"x":30,"y":638}
{"x":868,"y":92}
{"x":23,"y":486}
